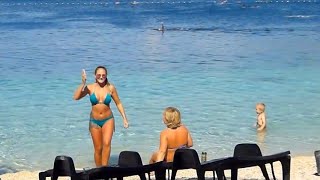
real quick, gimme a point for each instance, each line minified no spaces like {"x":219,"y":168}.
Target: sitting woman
{"x":175,"y":136}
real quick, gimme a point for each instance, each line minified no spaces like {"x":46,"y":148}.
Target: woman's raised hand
{"x":84,"y":76}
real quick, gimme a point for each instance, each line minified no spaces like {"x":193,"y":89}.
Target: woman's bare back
{"x":176,"y":138}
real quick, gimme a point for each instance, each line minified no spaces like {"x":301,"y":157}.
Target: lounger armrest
{"x":150,"y":167}
{"x":277,"y":155}
{"x":167,"y":165}
{"x":268,"y":158}
{"x":113,"y":172}
{"x":44,"y":174}
{"x":216,"y":160}
{"x":80,"y":171}
{"x":220,"y":163}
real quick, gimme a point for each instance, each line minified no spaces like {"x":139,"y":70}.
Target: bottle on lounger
{"x":203,"y":156}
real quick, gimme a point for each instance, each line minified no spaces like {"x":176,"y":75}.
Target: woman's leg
{"x":96,"y":134}
{"x":107,"y":132}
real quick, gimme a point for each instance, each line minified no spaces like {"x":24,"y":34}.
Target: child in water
{"x":261,"y":117}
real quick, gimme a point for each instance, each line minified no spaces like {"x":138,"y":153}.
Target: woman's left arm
{"x":116,"y":99}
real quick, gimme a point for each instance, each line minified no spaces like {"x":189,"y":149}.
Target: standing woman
{"x":101,"y":117}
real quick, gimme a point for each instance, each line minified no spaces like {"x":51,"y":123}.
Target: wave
{"x":6,"y":169}
{"x":227,"y":30}
{"x":136,"y":2}
{"x":301,"y":16}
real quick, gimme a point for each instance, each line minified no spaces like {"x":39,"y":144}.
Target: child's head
{"x":260,"y":107}
{"x":171,"y":117}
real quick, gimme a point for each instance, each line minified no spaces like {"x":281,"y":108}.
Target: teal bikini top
{"x":95,"y":101}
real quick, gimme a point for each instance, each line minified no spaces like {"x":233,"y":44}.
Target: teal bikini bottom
{"x":100,"y":123}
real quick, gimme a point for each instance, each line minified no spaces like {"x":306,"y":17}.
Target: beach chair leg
{"x":75,"y":177}
{"x":42,"y":176}
{"x":234,"y":173}
{"x":143,"y":177}
{"x":264,"y":171}
{"x":160,"y":174}
{"x":173,"y":174}
{"x":285,"y":162}
{"x":200,"y":174}
{"x":220,"y":175}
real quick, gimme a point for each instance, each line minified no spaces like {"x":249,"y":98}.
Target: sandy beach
{"x":302,"y":168}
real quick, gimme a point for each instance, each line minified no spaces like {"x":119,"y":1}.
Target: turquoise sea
{"x":214,"y":61}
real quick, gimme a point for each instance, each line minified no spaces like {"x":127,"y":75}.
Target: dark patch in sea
{"x":5,"y":169}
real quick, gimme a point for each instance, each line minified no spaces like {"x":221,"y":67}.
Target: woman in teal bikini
{"x":101,"y":118}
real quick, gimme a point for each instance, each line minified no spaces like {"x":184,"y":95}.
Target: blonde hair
{"x":261,"y":106}
{"x":172,"y":117}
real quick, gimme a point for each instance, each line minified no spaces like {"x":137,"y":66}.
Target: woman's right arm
{"x":82,"y":90}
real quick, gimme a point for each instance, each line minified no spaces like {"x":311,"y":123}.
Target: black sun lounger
{"x":64,"y":166}
{"x":249,"y":155}
{"x":189,"y":159}
{"x":131,"y":159}
{"x":107,"y":172}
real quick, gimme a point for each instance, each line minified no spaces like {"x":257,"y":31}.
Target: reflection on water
{"x":261,"y":135}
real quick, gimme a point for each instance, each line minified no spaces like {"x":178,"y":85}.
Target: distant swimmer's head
{"x":101,"y":75}
{"x":260,"y":108}
{"x":172,"y":117}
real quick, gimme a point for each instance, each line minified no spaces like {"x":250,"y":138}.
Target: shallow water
{"x":214,"y":61}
